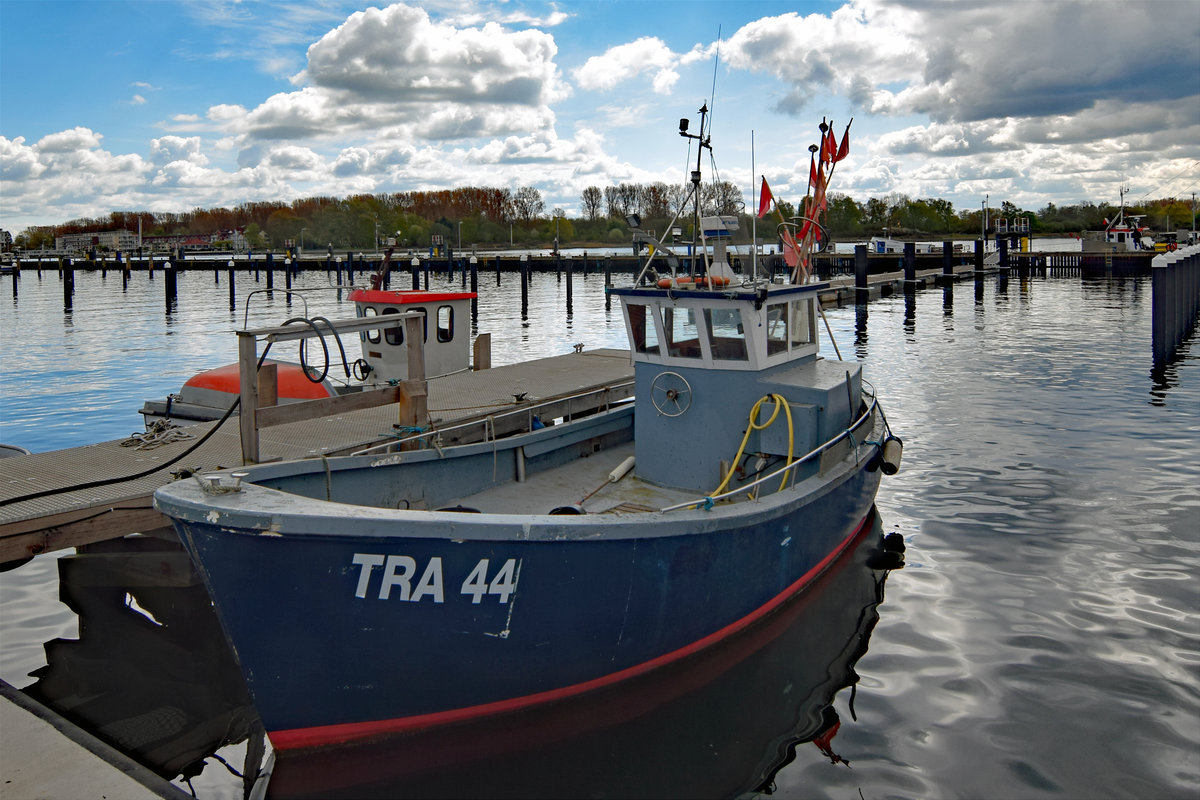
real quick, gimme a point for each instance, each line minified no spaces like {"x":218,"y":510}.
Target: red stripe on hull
{"x":347,"y":732}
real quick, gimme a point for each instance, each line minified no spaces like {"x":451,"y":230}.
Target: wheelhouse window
{"x":641,"y":327}
{"x":371,"y":336}
{"x":777,"y":328}
{"x":445,"y":323}
{"x":726,"y":334}
{"x":803,"y":324}
{"x":683,"y":337}
{"x":394,"y":335}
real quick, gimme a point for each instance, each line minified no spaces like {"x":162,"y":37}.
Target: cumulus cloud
{"x":391,"y":69}
{"x":967,"y":62}
{"x":625,"y":62}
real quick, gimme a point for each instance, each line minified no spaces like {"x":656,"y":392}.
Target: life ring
{"x":699,"y":282}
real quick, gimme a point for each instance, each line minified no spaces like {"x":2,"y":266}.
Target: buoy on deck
{"x":619,"y":472}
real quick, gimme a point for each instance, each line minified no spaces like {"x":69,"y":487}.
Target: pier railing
{"x":258,"y":382}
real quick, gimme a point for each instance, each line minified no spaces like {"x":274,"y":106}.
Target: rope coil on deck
{"x":159,"y":433}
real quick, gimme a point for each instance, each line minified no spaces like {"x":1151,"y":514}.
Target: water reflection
{"x":151,"y":674}
{"x":861,"y":339}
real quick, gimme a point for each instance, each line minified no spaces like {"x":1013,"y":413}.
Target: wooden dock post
{"x":947,"y":276}
{"x":910,"y":266}
{"x":232,"y":290}
{"x":1002,"y":246}
{"x":67,"y":274}
{"x":270,"y":268}
{"x":978,"y":257}
{"x":482,"y":352}
{"x":861,"y":293}
{"x":248,"y":380}
{"x":524,"y":286}
{"x":570,"y":281}
{"x":416,"y":273}
{"x":170,"y":287}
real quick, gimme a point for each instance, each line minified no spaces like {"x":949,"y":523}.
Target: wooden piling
{"x":524,"y":287}
{"x":67,"y":274}
{"x":861,"y":292}
{"x":947,"y":276}
{"x":570,"y":280}
{"x":170,"y":287}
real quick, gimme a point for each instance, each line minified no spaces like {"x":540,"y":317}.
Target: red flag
{"x":818,"y":189}
{"x":829,"y":145}
{"x":844,"y":149}
{"x":765,"y":198}
{"x":791,"y":250}
{"x":812,"y":173}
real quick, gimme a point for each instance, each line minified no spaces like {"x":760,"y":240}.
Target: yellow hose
{"x":780,"y":401}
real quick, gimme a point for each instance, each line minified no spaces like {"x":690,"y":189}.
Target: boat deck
{"x":543,"y":491}
{"x":71,"y":515}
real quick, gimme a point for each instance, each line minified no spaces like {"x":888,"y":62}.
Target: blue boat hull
{"x":343,"y":637}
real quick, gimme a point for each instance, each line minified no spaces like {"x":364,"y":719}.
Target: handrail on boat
{"x":489,"y":421}
{"x":707,"y":502}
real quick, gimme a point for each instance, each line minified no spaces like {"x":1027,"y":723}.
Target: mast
{"x":702,"y":142}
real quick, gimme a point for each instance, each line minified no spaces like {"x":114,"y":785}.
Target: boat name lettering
{"x":399,"y":573}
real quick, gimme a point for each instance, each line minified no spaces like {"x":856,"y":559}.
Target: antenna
{"x":712,"y":98}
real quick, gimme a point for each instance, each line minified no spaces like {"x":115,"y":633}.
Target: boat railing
{"x":789,"y":470}
{"x":499,"y":425}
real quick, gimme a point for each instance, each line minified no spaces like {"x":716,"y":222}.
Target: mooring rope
{"x":160,"y":432}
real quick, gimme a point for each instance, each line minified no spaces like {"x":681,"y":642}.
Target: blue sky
{"x":169,"y":106}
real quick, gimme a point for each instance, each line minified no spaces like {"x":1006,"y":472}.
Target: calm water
{"x":1043,"y":639}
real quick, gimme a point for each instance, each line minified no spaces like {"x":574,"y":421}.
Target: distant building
{"x":124,"y":241}
{"x":6,"y":241}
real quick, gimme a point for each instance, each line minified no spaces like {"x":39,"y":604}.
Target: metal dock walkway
{"x":75,"y":516}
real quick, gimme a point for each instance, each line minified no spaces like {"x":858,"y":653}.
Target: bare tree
{"x":592,"y":199}
{"x":527,"y":203}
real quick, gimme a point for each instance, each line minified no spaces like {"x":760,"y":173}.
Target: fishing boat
{"x":210,"y":394}
{"x":1123,"y":234}
{"x":425,"y":584}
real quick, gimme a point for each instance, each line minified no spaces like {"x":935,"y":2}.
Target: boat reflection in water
{"x":152,"y":675}
{"x":718,"y":724}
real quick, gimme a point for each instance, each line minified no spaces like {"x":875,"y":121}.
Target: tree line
{"x":495,"y":216}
